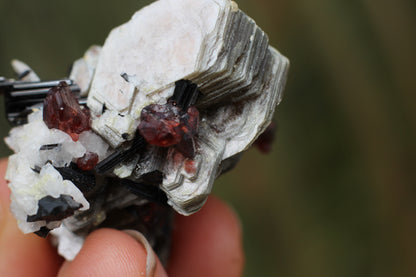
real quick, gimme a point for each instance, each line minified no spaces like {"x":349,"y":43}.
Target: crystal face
{"x":52,"y":209}
{"x":166,"y":125}
{"x":62,"y":111}
{"x":88,"y":161}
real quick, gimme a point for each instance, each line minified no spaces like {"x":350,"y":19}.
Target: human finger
{"x":109,"y":252}
{"x":208,"y":243}
{"x":22,"y":255}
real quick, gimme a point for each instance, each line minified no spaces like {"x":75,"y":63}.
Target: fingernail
{"x":151,"y":258}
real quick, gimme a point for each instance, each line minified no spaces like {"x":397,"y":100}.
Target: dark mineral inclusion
{"x":53,"y":209}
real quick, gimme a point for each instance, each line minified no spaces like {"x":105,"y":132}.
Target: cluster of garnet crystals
{"x":171,"y":124}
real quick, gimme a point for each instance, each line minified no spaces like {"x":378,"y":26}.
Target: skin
{"x":205,"y":244}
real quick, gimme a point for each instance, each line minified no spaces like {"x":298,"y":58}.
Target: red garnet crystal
{"x":190,"y":121}
{"x":62,"y":111}
{"x":88,"y":161}
{"x":265,"y":140}
{"x":166,"y":125}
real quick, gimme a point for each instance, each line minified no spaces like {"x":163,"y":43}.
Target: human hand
{"x":205,"y":244}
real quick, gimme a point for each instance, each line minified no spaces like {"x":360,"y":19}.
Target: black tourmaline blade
{"x":138,"y":147}
{"x":43,"y":232}
{"x":146,"y":190}
{"x":50,"y":146}
{"x":53,"y":209}
{"x":84,"y":180}
{"x":185,"y":95}
{"x":21,"y":97}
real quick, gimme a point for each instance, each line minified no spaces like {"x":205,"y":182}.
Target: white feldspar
{"x":94,"y":143}
{"x":83,"y":69}
{"x":28,"y":188}
{"x":26,"y":141}
{"x":26,"y":185}
{"x":114,"y":127}
{"x":68,"y":243}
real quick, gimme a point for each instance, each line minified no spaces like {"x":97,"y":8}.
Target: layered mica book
{"x":143,"y":125}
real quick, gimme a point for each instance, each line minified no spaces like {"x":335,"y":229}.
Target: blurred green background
{"x":336,"y":196}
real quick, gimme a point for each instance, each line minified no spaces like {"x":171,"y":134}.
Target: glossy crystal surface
{"x":62,"y":111}
{"x":166,"y":125}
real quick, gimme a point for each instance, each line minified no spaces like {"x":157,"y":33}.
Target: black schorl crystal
{"x":50,"y":146}
{"x":43,"y":232}
{"x":24,"y":74}
{"x":84,"y":180}
{"x":185,"y":95}
{"x":53,"y":209}
{"x":146,"y":190}
{"x":155,"y":178}
{"x":20,"y":97}
{"x":138,"y":146}
{"x":36,"y":169}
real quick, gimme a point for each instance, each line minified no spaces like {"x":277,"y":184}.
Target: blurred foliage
{"x":336,"y":197}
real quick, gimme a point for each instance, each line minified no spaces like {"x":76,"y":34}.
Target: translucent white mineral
{"x":24,"y":71}
{"x":83,"y":69}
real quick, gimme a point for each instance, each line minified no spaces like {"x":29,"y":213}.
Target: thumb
{"x":21,"y":255}
{"x":109,"y":252}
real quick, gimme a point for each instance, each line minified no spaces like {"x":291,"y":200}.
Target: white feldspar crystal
{"x":27,"y":140}
{"x":115,"y":127}
{"x":83,"y":69}
{"x":68,"y":243}
{"x":28,"y":188}
{"x":23,"y":69}
{"x":94,"y":143}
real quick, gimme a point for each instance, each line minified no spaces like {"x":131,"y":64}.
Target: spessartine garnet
{"x":88,"y":161}
{"x":265,"y":141}
{"x":166,"y":125}
{"x":62,"y":111}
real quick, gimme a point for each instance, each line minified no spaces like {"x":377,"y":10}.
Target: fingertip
{"x":108,"y":252}
{"x":208,"y":243}
{"x":4,"y":189}
{"x":24,"y":255}
{"x":20,"y":254}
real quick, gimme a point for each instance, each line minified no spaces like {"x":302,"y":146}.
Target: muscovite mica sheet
{"x":144,"y":124}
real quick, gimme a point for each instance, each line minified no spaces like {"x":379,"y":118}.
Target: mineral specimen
{"x":144,"y":124}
